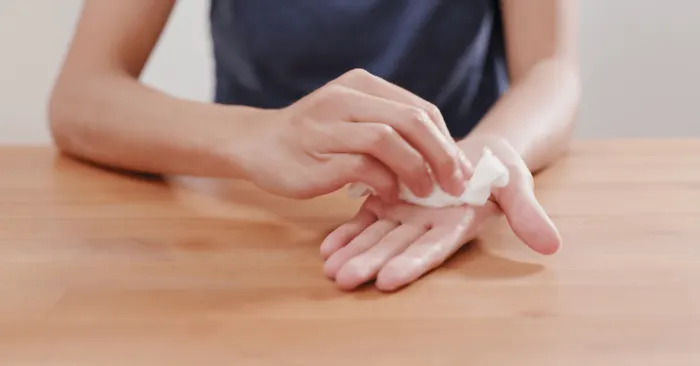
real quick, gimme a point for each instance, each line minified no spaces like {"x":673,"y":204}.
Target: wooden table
{"x":98,"y":268}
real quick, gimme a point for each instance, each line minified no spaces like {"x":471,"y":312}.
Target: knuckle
{"x":331,"y":93}
{"x":336,"y":90}
{"x":356,"y":74}
{"x":433,"y":111}
{"x":417,"y":118}
{"x":381,"y":136}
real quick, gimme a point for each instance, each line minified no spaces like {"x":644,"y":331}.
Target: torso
{"x":270,"y":53}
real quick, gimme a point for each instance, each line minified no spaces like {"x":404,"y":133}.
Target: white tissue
{"x":489,"y":173}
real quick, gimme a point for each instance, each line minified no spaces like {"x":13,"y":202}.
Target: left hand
{"x":398,"y":243}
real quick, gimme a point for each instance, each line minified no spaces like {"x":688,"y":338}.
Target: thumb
{"x":527,"y":218}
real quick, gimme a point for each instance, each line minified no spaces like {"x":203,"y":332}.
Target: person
{"x":313,"y":95}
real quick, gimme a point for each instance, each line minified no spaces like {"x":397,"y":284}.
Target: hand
{"x":517,"y":200}
{"x":398,"y":243}
{"x":357,"y":128}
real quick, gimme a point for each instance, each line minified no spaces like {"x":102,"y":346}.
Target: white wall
{"x":640,"y":64}
{"x":641,"y":67}
{"x":34,"y":35}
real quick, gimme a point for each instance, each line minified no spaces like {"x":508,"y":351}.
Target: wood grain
{"x":101,"y":268}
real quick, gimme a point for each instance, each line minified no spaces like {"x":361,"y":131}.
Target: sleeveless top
{"x":270,"y":53}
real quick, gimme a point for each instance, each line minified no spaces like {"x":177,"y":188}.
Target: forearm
{"x":537,"y":115}
{"x":118,"y":122}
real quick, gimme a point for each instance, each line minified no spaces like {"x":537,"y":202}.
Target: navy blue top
{"x":270,"y":53}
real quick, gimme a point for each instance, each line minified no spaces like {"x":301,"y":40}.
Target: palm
{"x":397,"y":243}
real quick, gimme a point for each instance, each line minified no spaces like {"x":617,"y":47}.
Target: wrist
{"x":473,"y":145}
{"x":238,"y":143}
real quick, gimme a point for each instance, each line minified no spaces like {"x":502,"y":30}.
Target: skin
{"x":100,"y":112}
{"x":528,"y":129}
{"x":356,"y":128}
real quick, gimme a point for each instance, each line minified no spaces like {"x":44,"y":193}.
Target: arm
{"x":537,"y":114}
{"x":99,"y":111}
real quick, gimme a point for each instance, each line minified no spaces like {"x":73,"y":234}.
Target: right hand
{"x":357,"y":128}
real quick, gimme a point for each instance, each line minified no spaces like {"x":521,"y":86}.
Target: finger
{"x":528,"y":218}
{"x":342,"y":235}
{"x":467,"y":166}
{"x":368,"y":83}
{"x":364,"y":267}
{"x":365,"y":240}
{"x":368,"y":170}
{"x":427,"y":253}
{"x":385,"y":145}
{"x":412,"y":124}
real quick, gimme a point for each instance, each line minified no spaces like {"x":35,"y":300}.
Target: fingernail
{"x":425,"y":189}
{"x":458,"y":176}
